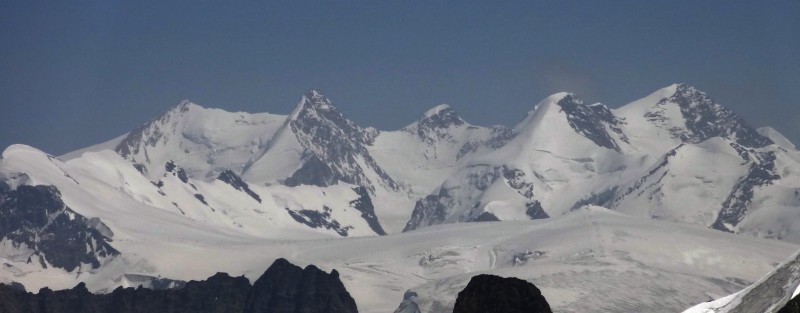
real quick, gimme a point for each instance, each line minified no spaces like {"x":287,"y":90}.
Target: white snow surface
{"x":203,"y":141}
{"x":654,"y":266}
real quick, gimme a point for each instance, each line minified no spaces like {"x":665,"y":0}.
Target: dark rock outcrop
{"x":284,"y":288}
{"x":435,"y":124}
{"x":792,"y":307}
{"x":317,"y":219}
{"x":408,"y":305}
{"x":178,"y":171}
{"x":489,"y":293}
{"x":230,"y":178}
{"x":438,"y":207}
{"x":487,"y":217}
{"x":335,"y":148}
{"x":592,"y":122}
{"x":705,"y":118}
{"x":364,"y":205}
{"x":762,"y":172}
{"x":535,"y":210}
{"x":35,"y":218}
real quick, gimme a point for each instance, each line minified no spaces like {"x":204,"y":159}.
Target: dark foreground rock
{"x":489,"y":293}
{"x":286,"y":288}
{"x":283,"y":288}
{"x":792,"y":307}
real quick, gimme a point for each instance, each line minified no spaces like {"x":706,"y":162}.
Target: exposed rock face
{"x":489,"y":293}
{"x":136,"y":143}
{"x":364,"y":205}
{"x":771,"y":294}
{"x":230,"y":178}
{"x":593,"y":122}
{"x":434,"y":125}
{"x":762,"y":172}
{"x":429,"y":211}
{"x":499,"y":137}
{"x":705,"y":119}
{"x":335,"y":147}
{"x":34,"y":218}
{"x":535,"y":210}
{"x":284,"y":288}
{"x":316,"y":219}
{"x":408,"y":305}
{"x":287,"y":288}
{"x":772,"y":291}
{"x":459,"y":200}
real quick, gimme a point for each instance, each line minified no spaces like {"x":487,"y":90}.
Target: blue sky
{"x":78,"y":73}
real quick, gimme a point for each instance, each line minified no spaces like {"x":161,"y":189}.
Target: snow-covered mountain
{"x":675,"y":155}
{"x":221,"y":181}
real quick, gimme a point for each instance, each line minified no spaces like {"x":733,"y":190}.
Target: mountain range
{"x":205,"y":183}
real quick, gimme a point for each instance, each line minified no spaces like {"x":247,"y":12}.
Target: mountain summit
{"x":688,"y":115}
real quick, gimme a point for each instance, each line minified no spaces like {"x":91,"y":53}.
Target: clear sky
{"x":75,"y":73}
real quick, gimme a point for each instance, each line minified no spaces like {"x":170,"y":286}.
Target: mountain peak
{"x":184,"y":105}
{"x":440,"y":116}
{"x":546,"y":105}
{"x":690,"y":115}
{"x":313,"y":100}
{"x":437,"y":110}
{"x":685,"y":95}
{"x":680,"y":85}
{"x":569,"y":100}
{"x":559,"y":96}
{"x":315,"y":95}
{"x":435,"y":123}
{"x":594,"y":122}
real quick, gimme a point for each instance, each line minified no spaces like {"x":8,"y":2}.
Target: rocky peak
{"x":183,"y":106}
{"x":335,"y":147}
{"x":285,"y":287}
{"x":592,"y":121}
{"x":435,"y":123}
{"x":315,"y":111}
{"x":158,"y":130}
{"x":315,"y":98}
{"x":704,"y":118}
{"x":441,"y":116}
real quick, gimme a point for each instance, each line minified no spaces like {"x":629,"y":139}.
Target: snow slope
{"x":203,"y":141}
{"x":654,"y":266}
{"x":106,"y":186}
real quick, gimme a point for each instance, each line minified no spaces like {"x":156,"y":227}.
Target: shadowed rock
{"x":284,"y":288}
{"x":489,"y":293}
